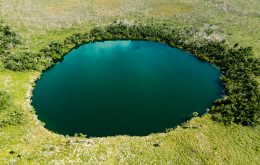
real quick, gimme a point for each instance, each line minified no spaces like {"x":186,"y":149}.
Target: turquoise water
{"x":124,"y":87}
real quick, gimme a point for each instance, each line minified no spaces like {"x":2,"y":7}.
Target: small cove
{"x":124,"y":87}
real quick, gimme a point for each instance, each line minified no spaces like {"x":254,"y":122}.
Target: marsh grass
{"x":239,"y":19}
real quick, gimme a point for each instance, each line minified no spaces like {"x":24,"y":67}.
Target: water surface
{"x":124,"y":87}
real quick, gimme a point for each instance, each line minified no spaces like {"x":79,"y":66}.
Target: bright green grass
{"x":207,"y":143}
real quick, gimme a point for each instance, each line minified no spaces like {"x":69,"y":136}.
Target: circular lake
{"x":124,"y":87}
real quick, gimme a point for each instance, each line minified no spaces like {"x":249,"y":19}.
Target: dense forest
{"x":238,"y":64}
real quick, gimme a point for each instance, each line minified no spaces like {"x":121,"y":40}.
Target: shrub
{"x":27,"y":61}
{"x":8,"y":38}
{"x":9,"y":115}
{"x":4,"y":100}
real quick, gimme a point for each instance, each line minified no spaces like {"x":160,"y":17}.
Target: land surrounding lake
{"x":30,"y":29}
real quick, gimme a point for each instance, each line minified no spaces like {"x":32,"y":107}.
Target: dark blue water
{"x":124,"y":87}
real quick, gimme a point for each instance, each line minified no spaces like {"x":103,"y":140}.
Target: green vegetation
{"x":201,"y":141}
{"x":238,"y":65}
{"x":26,"y":61}
{"x":8,"y":38}
{"x":199,"y":27}
{"x":57,"y":19}
{"x":4,"y":100}
{"x":9,"y":115}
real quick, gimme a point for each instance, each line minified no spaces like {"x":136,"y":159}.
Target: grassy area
{"x":239,"y":19}
{"x":201,"y":141}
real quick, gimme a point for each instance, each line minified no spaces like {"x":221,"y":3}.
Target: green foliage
{"x":13,"y":117}
{"x":8,"y":38}
{"x":195,"y":114}
{"x":54,"y":50}
{"x":26,"y":61}
{"x":80,"y":135}
{"x":4,"y":100}
{"x":239,"y":67}
{"x":77,"y":39}
{"x":9,"y":115}
{"x":98,"y":33}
